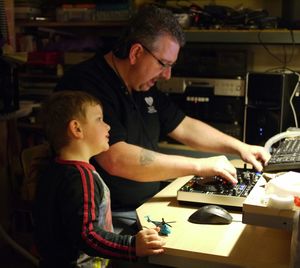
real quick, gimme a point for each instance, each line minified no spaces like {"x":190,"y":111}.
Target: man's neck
{"x":118,"y":67}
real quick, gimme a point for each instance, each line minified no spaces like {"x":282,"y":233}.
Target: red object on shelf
{"x":44,"y":58}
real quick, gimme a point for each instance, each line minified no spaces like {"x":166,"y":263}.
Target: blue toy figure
{"x":164,"y":226}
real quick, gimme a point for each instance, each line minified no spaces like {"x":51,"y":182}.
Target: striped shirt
{"x":73,"y":218}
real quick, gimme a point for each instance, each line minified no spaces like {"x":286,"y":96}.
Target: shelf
{"x":107,"y":28}
{"x":275,"y":36}
{"x":56,"y":24}
{"x":36,"y":75}
{"x":269,"y":36}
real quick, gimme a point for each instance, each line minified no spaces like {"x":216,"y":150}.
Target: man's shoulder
{"x":89,"y":65}
{"x":87,"y":75}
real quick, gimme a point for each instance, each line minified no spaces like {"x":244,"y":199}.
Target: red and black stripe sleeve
{"x":83,"y":209}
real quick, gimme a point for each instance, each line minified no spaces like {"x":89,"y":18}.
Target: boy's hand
{"x":148,"y":242}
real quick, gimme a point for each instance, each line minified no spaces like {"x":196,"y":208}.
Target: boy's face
{"x":96,"y":130}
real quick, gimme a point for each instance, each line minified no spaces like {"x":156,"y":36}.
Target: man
{"x":139,"y":114}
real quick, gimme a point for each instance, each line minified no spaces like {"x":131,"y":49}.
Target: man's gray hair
{"x":146,"y":26}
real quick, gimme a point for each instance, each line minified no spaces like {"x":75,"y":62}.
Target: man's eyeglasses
{"x":163,"y":65}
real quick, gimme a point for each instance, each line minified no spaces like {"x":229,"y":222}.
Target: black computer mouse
{"x":211,"y":214}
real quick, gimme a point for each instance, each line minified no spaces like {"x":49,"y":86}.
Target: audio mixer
{"x":215,"y":190}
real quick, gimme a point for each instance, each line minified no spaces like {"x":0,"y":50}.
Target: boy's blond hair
{"x":59,"y":110}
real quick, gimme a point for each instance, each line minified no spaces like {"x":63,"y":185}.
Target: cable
{"x":285,"y":60}
{"x":291,"y":100}
{"x":287,"y":134}
{"x":284,"y":71}
{"x":267,"y":49}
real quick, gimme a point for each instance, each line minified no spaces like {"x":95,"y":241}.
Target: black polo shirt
{"x":139,"y":118}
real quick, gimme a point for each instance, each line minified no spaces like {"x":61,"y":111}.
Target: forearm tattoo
{"x":147,"y":157}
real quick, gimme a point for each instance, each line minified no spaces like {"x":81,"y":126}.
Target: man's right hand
{"x":218,"y":166}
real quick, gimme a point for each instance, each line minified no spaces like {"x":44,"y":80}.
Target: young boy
{"x":72,"y":208}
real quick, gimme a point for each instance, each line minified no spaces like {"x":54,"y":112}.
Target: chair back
{"x":21,"y":237}
{"x":32,"y":158}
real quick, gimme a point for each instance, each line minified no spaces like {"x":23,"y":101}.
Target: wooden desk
{"x":195,"y":245}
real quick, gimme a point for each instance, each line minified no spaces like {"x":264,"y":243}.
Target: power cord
{"x":287,"y":134}
{"x":291,"y":100}
{"x":285,"y":60}
{"x":289,"y":71}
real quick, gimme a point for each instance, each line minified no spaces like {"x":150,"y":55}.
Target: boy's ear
{"x":75,"y":129}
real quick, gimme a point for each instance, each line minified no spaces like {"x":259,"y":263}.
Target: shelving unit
{"x":227,"y":40}
{"x":228,"y":36}
{"x":275,"y":36}
{"x":56,"y":24}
